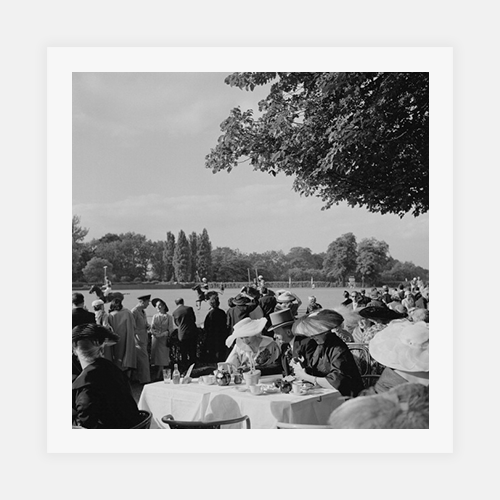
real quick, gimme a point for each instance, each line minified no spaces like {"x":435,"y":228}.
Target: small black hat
{"x":156,"y":300}
{"x":145,"y":297}
{"x":241,"y":300}
{"x":280,"y":318}
{"x":376,"y":312}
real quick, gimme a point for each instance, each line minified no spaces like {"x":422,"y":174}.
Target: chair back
{"x":145,"y":423}
{"x":213,"y":424}
{"x":361,"y":355}
{"x":285,"y":425}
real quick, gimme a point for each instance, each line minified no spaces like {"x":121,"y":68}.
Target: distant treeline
{"x":132,"y":258}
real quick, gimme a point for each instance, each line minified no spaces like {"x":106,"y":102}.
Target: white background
{"x":30,"y":27}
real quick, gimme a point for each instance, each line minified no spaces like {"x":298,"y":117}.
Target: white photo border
{"x":62,"y":62}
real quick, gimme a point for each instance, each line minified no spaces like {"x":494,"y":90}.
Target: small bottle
{"x":176,"y":375}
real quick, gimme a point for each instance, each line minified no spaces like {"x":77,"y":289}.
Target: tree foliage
{"x":157,"y":261}
{"x":130,"y":254}
{"x":204,"y":255}
{"x":362,"y":138}
{"x":168,"y":257}
{"x":94,"y":270}
{"x":372,"y":258}
{"x":193,"y":249}
{"x":132,"y":257}
{"x":181,"y":258}
{"x":230,"y":265}
{"x":78,"y":248}
{"x":340,"y":258}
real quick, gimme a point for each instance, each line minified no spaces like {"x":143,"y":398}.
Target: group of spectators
{"x":263,"y":330}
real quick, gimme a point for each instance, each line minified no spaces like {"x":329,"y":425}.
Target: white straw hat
{"x":402,"y":345}
{"x":247,"y":327}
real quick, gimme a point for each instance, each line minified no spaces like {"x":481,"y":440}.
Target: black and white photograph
{"x":251,"y":250}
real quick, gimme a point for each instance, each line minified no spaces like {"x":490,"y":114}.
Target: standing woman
{"x":121,"y":321}
{"x":162,"y":326}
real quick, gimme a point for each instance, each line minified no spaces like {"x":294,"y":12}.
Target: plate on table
{"x":270,"y":389}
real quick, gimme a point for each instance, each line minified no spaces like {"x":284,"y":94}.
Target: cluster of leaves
{"x":355,"y":137}
{"x":368,"y":261}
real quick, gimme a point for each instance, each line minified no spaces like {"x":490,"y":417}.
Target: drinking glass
{"x":167,"y":375}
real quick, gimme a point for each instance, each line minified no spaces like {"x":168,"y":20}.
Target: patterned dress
{"x":242,"y":355}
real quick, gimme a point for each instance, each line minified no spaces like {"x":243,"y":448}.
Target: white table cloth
{"x":196,"y":401}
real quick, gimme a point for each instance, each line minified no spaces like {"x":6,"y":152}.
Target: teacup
{"x":297,"y":387}
{"x":251,"y":378}
{"x":256,"y":389}
{"x":208,"y":379}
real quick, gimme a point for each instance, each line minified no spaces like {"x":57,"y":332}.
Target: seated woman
{"x":403,"y":348}
{"x":252,"y":349}
{"x":332,"y":363}
{"x":379,"y":318}
{"x":102,"y":398}
{"x":288,"y":300}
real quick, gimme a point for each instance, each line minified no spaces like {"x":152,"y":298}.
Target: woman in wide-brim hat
{"x":332,"y":363}
{"x":243,"y":307}
{"x":162,"y":327}
{"x":102,"y":398}
{"x":251,"y":348}
{"x":403,"y":348}
{"x":288,"y":300}
{"x":379,"y":317}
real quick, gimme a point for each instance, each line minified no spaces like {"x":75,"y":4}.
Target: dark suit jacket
{"x":103,"y":398}
{"x":185,"y":320}
{"x":81,"y":316}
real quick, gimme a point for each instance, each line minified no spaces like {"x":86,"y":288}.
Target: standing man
{"x":80,"y":316}
{"x":141,"y":330}
{"x":187,"y":332}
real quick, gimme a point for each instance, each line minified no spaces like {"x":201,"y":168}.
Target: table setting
{"x":229,"y":394}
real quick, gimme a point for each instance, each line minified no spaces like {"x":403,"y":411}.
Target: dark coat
{"x":103,"y":398}
{"x":216,"y":333}
{"x":334,"y":360}
{"x":80,"y":316}
{"x":299,"y":347}
{"x":267,"y":303}
{"x":185,"y":319}
{"x":237,"y":313}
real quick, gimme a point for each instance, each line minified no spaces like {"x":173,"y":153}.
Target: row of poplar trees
{"x":187,"y":258}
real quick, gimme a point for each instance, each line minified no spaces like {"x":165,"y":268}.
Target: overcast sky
{"x":139,"y":147}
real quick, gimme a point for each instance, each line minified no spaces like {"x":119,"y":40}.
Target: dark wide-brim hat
{"x":92,"y":331}
{"x":145,"y":297}
{"x":377,"y":312}
{"x":241,"y":300}
{"x":156,"y":300}
{"x":280,"y":319}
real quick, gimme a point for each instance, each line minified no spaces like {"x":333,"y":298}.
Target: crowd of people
{"x":261,"y":330}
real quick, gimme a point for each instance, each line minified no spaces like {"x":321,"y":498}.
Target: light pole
{"x":105,"y":267}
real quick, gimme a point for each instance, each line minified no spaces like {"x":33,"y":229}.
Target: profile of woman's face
{"x":161,"y":307}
